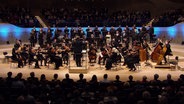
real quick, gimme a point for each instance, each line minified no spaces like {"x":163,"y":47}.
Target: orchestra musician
{"x":55,"y":56}
{"x":168,"y":51}
{"x":25,"y":53}
{"x":146,"y":47}
{"x":17,"y":44}
{"x":17,"y":57}
{"x":47,"y":53}
{"x":40,"y":56}
{"x":113,"y":58}
{"x":65,"y":53}
{"x":92,"y":53}
{"x":102,"y":56}
{"x":33,"y":57}
{"x":132,"y":58}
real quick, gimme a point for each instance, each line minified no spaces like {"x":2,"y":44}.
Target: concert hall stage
{"x":145,"y":69}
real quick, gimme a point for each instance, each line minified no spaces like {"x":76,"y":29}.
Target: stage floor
{"x":96,"y":69}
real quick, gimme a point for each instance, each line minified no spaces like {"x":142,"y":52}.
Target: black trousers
{"x":58,"y":61}
{"x":78,"y":57}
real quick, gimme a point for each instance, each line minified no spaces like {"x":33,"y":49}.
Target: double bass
{"x":142,"y":52}
{"x":159,"y":52}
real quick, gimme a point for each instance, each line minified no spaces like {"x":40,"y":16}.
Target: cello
{"x":92,"y":54}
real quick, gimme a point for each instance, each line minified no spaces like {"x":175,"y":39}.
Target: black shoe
{"x":56,"y":68}
{"x":131,"y":69}
{"x":37,"y":67}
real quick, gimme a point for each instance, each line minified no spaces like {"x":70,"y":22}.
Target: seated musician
{"x":65,"y":53}
{"x":33,"y":58}
{"x":40,"y":56}
{"x":47,"y":53}
{"x":132,"y":58}
{"x":114,"y":55}
{"x":92,"y":53}
{"x":55,"y":57}
{"x":103,"y":55}
{"x":112,"y":58}
{"x":25,"y":53}
{"x":17,"y":57}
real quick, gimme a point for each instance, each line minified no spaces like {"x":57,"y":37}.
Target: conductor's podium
{"x":78,"y":70}
{"x":84,"y":61}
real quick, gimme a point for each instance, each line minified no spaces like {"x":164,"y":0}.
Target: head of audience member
{"x":130,"y":78}
{"x":156,"y":76}
{"x":81,"y":76}
{"x":117,"y":77}
{"x":94,"y":78}
{"x":168,"y":76}
{"x":19,"y":76}
{"x":42,"y":77}
{"x":55,"y":76}
{"x":105,"y":76}
{"x":67,"y":76}
{"x":144,"y":79}
{"x":32,"y":74}
{"x":9,"y":74}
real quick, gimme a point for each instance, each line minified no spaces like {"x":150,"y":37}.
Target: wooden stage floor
{"x":96,"y":69}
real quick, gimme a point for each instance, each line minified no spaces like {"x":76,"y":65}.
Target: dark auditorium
{"x":91,"y":52}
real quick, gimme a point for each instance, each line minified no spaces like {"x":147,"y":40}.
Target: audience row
{"x":72,"y":17}
{"x":169,"y":18}
{"x":18,"y":16}
{"x":95,"y":16}
{"x":67,"y":91}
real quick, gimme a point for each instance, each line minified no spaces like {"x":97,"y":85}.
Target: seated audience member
{"x":32,"y":79}
{"x":156,"y":80}
{"x":93,"y":83}
{"x":169,"y":81}
{"x":18,"y":82}
{"x":81,"y":83}
{"x":131,"y":81}
{"x":117,"y":82}
{"x":67,"y":82}
{"x":9,"y":79}
{"x":55,"y":81}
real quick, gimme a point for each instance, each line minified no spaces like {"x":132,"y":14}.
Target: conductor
{"x":77,"y":49}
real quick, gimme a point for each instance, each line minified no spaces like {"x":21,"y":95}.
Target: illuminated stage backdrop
{"x":10,"y":32}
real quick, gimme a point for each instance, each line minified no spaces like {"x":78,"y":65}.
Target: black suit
{"x":77,"y":48}
{"x":168,"y":52}
{"x":17,"y":57}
